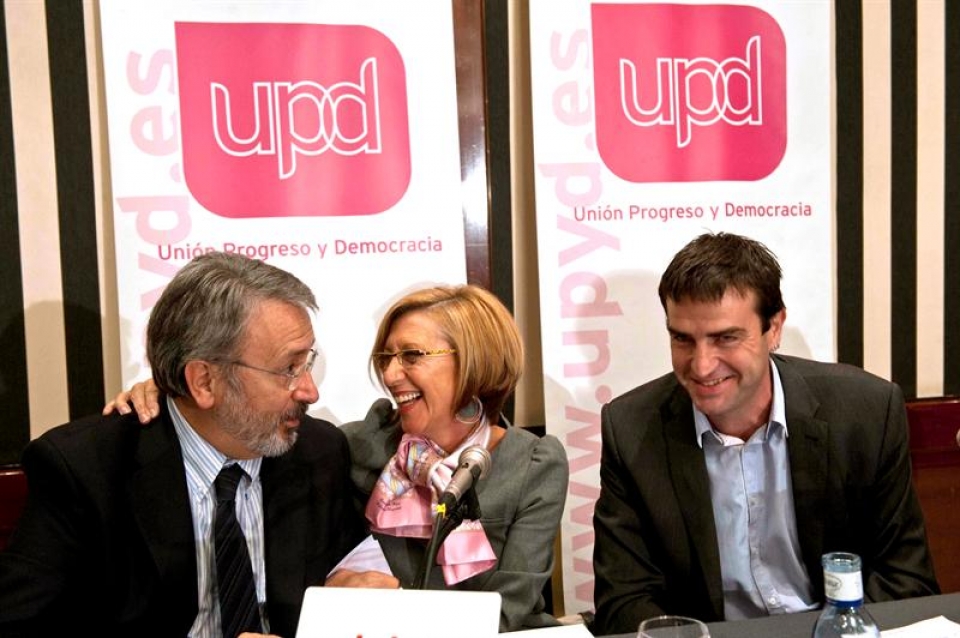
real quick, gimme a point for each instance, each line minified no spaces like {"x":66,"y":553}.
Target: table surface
{"x":888,"y":615}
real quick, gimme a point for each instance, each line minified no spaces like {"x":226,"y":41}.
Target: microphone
{"x":473,"y":465}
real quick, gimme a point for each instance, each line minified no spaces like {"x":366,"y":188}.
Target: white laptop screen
{"x":341,"y":612}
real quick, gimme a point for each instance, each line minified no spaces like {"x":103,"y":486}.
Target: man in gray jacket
{"x":724,"y":482}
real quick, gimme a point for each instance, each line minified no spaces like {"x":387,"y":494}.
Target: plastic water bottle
{"x":844,"y":613}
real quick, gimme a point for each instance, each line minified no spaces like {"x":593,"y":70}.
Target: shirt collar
{"x":201,"y":460}
{"x":778,"y":412}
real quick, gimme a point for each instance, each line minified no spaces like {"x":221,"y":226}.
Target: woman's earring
{"x":471,"y":412}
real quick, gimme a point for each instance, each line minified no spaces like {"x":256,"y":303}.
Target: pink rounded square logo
{"x":688,"y":93}
{"x":292,"y":119}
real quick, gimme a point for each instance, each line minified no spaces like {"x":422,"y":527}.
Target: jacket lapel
{"x":807,"y":448}
{"x":691,"y":482}
{"x":287,"y":527}
{"x":160,"y":502}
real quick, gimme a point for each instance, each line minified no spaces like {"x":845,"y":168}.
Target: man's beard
{"x":260,"y":432}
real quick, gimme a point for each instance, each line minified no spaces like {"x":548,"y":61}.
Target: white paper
{"x":937,"y":627}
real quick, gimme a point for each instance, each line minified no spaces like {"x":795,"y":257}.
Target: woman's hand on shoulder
{"x":142,"y":398}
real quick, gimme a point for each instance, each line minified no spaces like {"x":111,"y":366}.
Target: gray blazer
{"x":656,"y":550}
{"x":521,"y":501}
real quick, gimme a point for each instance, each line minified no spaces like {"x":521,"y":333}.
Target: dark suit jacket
{"x":656,"y":549}
{"x":106,"y":543}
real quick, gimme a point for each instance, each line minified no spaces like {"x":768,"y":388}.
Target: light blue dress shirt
{"x":202,"y":462}
{"x":752,"y":495}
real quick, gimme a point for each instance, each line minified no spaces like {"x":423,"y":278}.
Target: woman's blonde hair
{"x":489,"y":352}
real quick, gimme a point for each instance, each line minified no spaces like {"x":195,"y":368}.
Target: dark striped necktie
{"x":238,"y":598}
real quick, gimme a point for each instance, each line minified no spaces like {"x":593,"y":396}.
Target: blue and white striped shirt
{"x":202,"y":462}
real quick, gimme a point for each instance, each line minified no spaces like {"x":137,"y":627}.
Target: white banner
{"x":654,"y":123}
{"x":319,"y":136}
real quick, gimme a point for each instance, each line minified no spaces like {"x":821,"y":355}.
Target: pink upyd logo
{"x":689,"y":93}
{"x":292,"y":119}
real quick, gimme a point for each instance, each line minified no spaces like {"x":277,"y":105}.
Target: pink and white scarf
{"x":405,"y":496}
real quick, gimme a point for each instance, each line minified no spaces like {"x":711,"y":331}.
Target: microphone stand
{"x":468,"y":508}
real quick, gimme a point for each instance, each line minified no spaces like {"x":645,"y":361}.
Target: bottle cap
{"x":841,"y":577}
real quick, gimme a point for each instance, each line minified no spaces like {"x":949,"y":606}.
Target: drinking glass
{"x":672,"y":627}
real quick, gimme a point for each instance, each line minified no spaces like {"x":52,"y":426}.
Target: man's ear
{"x":201,"y":378}
{"x":776,"y":328}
